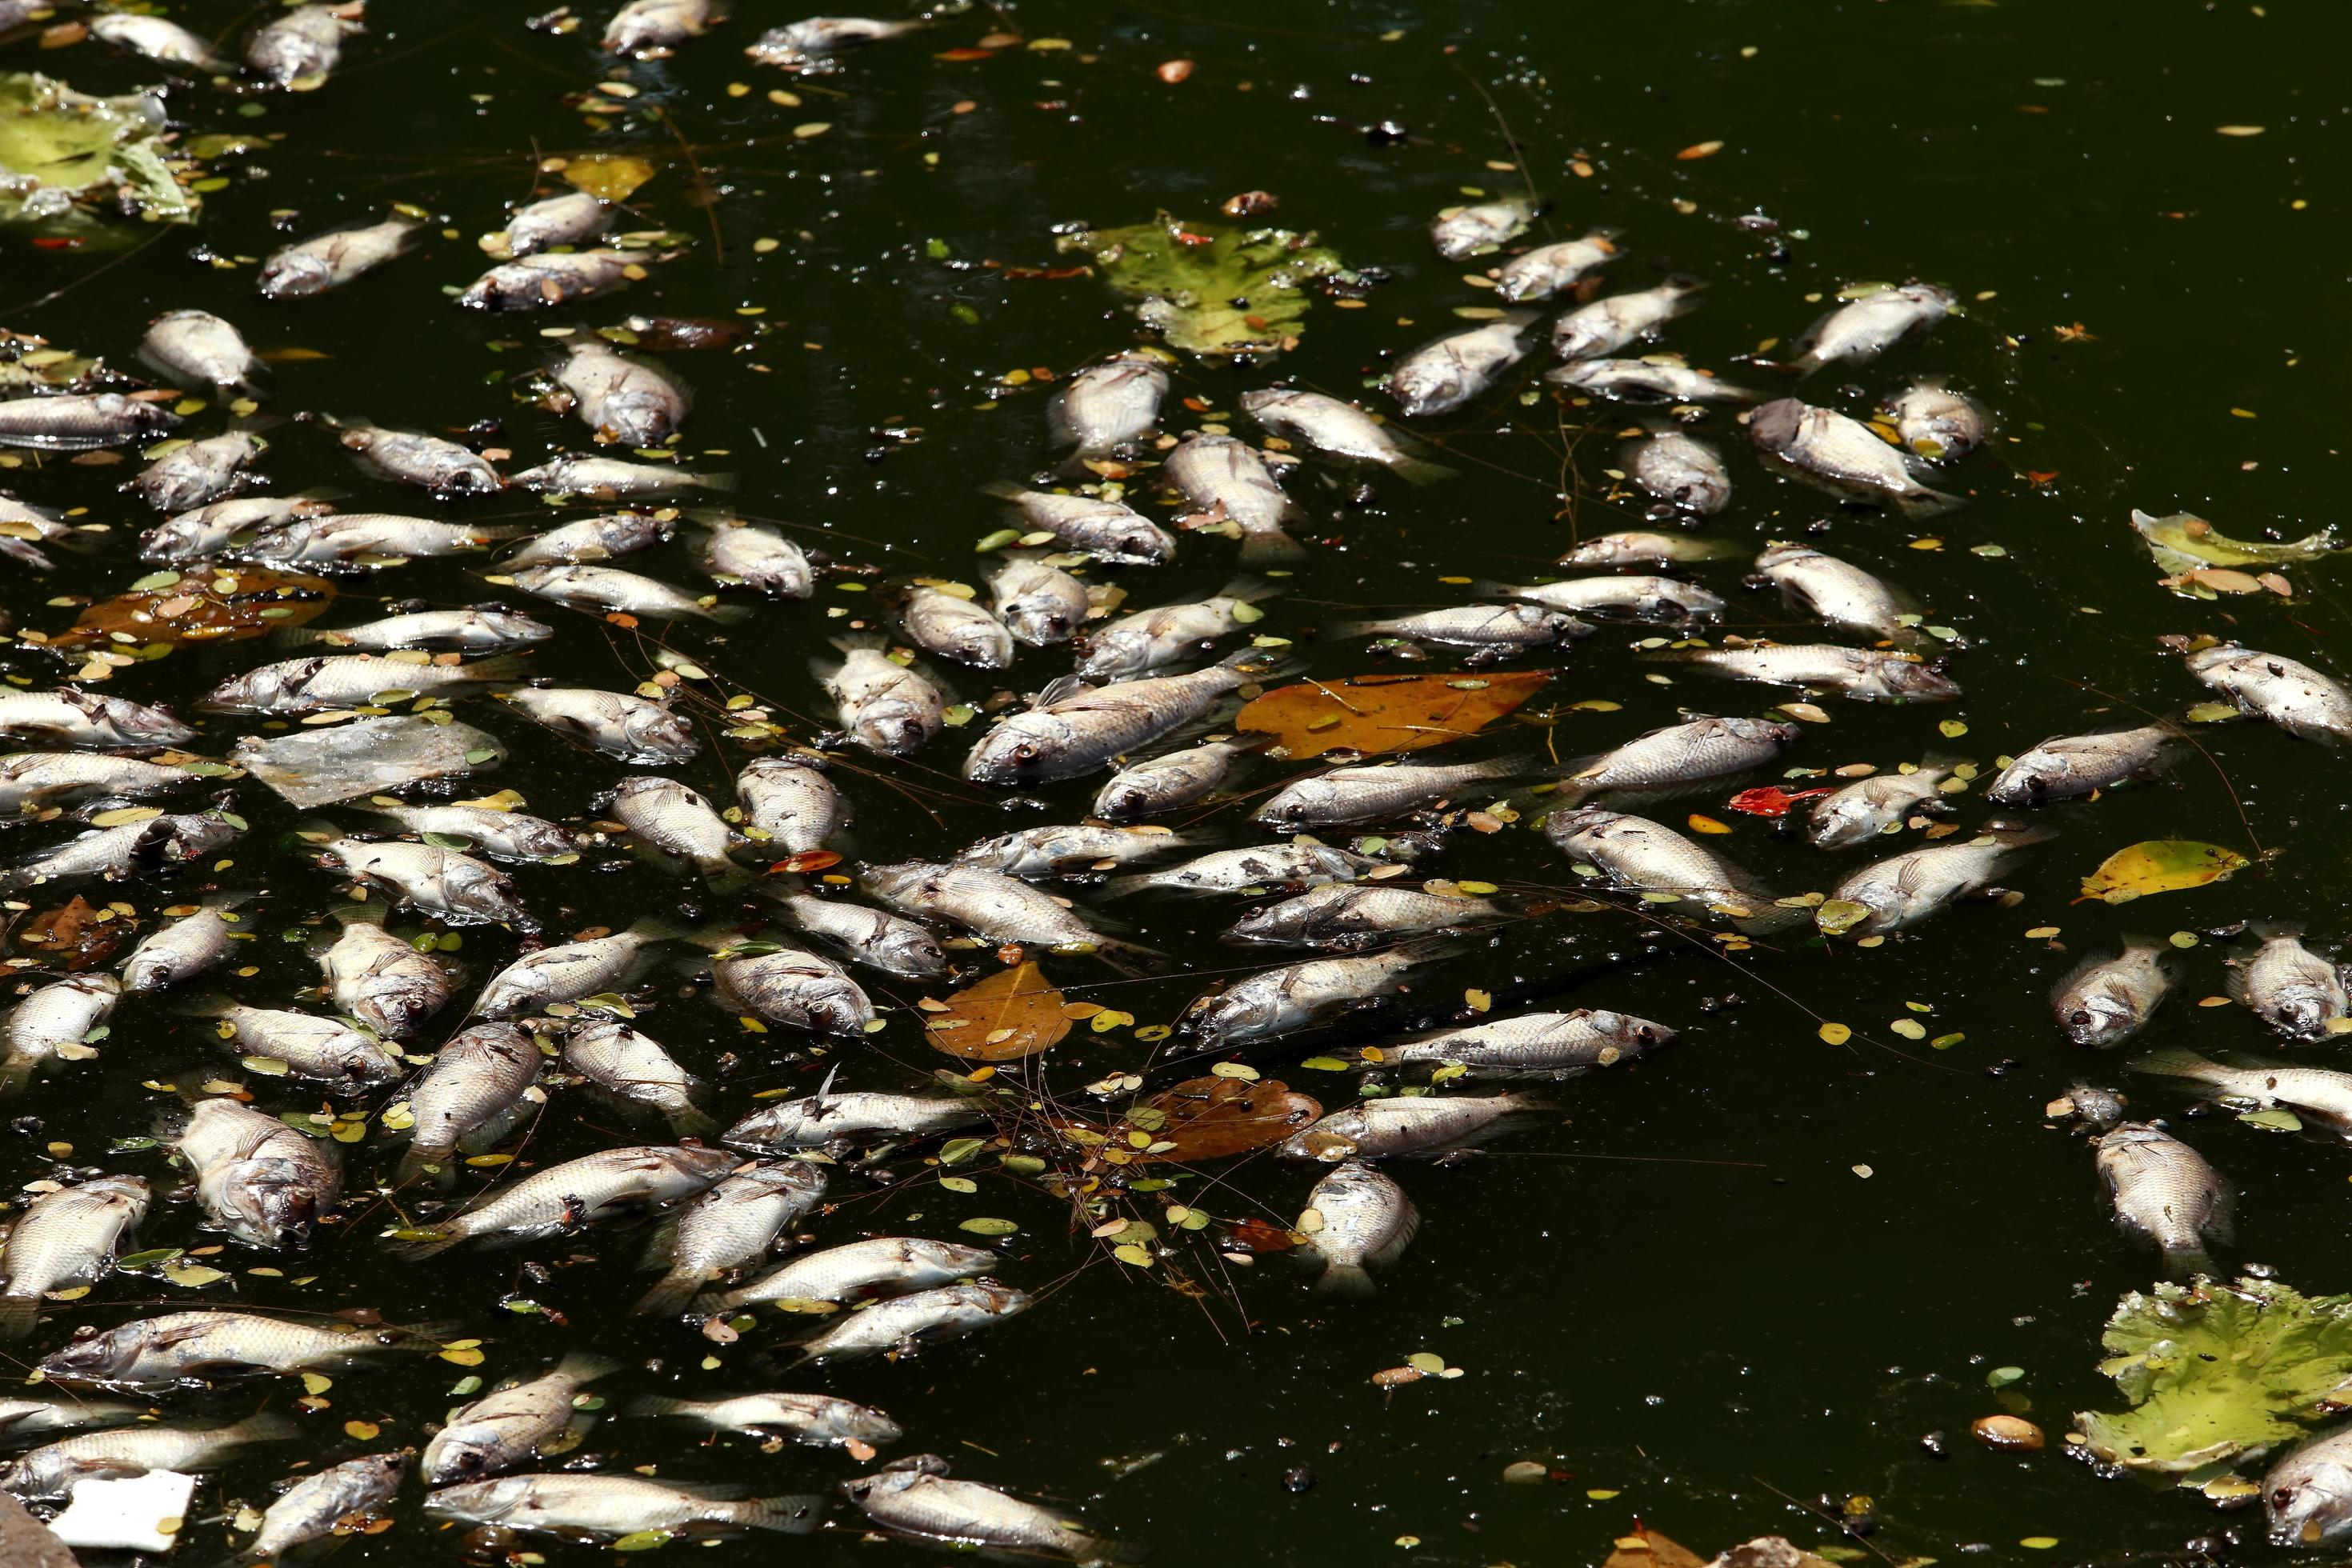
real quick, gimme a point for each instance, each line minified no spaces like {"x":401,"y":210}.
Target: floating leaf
{"x":1770,"y":800}
{"x":77,"y":936}
{"x":1645,"y":1548}
{"x":2158,"y":866}
{"x":1836,"y":916}
{"x":643,"y":1540}
{"x":1383,"y":714}
{"x":1012,"y":1013}
{"x":1208,"y":1117}
{"x":1211,"y":289}
{"x":2184,"y":541}
{"x":612,"y":176}
{"x":983,"y":1225}
{"x":196,"y":609}
{"x":65,"y":155}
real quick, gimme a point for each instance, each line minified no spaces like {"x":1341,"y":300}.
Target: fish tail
{"x":2179,"y":1061}
{"x":425,"y":1337}
{"x":1420,"y":471}
{"x":1349,"y":629}
{"x":654,"y":1404}
{"x":418,"y":1161}
{"x":18,"y":1314}
{"x":586,"y":1366}
{"x":1139,"y":882}
{"x":2186,"y":1260}
{"x":204,"y":1005}
{"x":692,"y":1121}
{"x":1270,"y":547}
{"x":727,"y":614}
{"x":798,"y":1515}
{"x":498,"y":670}
{"x":1347,"y":1280}
{"x":668,"y":1297}
{"x":1919,"y":505}
{"x":266,"y":1426}
{"x":15,"y":1073}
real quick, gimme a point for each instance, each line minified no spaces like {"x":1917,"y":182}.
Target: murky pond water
{"x":1725,"y":1290}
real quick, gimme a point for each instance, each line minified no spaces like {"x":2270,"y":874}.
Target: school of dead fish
{"x":726,"y":1192}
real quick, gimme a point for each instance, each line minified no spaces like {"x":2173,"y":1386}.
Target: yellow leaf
{"x":2158,"y":866}
{"x":610,"y":176}
{"x":365,"y":1431}
{"x":1708,"y":824}
{"x":1835,"y":1034}
{"x":1700,"y":149}
{"x":462,"y":1358}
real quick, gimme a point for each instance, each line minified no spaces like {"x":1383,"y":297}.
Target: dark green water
{"x":1683,"y":1296}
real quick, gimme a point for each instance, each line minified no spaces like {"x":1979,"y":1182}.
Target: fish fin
{"x":366,"y":913}
{"x":1003,"y":490}
{"x":2275,"y":929}
{"x":1345,"y":1281}
{"x":656,"y":928}
{"x":413,"y":1161}
{"x":2178,"y":1061}
{"x":19,"y":1315}
{"x":1348,"y":630}
{"x":2187,"y":1262}
{"x":426,"y":1338}
{"x":1420,"y":471}
{"x":1919,"y":505}
{"x":586,"y":1366}
{"x":727,"y":614}
{"x":266,"y":1426}
{"x":798,"y":1515}
{"x":498,"y":670}
{"x":1270,"y":547}
{"x":692,"y":1121}
{"x":654,"y":1404}
{"x":2014,"y":835}
{"x":200,"y":1004}
{"x":1260,"y":663}
{"x":2235,"y":983}
{"x":1137,"y":882}
{"x":668,"y":1297}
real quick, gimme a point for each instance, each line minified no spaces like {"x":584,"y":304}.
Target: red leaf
{"x":1257,"y":1236}
{"x":805,"y":861}
{"x":1771,"y":800}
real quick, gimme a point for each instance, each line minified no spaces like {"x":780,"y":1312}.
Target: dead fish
{"x":1865,"y":328}
{"x":829,"y":1119}
{"x":1680,"y":474}
{"x":362,"y":538}
{"x":616,"y":478}
{"x":54,"y":1022}
{"x":1054,"y":851}
{"x":2308,"y":1495}
{"x":181,"y":1348}
{"x":190,"y":945}
{"x":566,"y":972}
{"x":869,"y":937}
{"x":298,"y":49}
{"x":623,"y":398}
{"x":1601,"y":328}
{"x":2293,"y":990}
{"x":1666,"y":600}
{"x":609,"y":590}
{"x":330,"y":260}
{"x":195,"y":472}
{"x":1902,"y":891}
{"x":809,"y":46}
{"x":1559,"y":1044}
{"x":790,"y":805}
{"x":1636,"y":548}
{"x":1697,"y":749}
{"x":820,"y":1419}
{"x":1836,"y":592}
{"x":856,"y":1271}
{"x":2105,"y":1000}
{"x":1937,"y":422}
{"x":2315,"y":1094}
{"x":1825,"y":449}
{"x":475,"y":1091}
{"x":1442,"y":376}
{"x":1073,"y":729}
{"x":886,"y":708}
{"x":1041,"y":605}
{"x":1342,"y":429}
{"x":604,"y":1507}
{"x":34,"y":780}
{"x":955,"y":628}
{"x":666,"y":816}
{"x":457,"y":888}
{"x":1858,"y":674}
{"x":1861,"y":811}
{"x":2294,"y":696}
{"x":325,"y":1050}
{"x":734,"y":551}
{"x":1301,"y":862}
{"x":2065,"y":766}
{"x":612,"y":1184}
{"x":627,"y":728}
{"x":54,"y":1470}
{"x":68,"y":717}
{"x":1356,"y":1220}
{"x":209,"y":531}
{"x":558,"y":277}
{"x":256,"y":1178}
{"x":575,"y":218}
{"x":429,"y":462}
{"x":510,"y":1426}
{"x":152,"y":37}
{"x":649,"y":29}
{"x":1425,"y":1124}
{"x":914,"y":1497}
{"x":29,"y":1416}
{"x":1648,"y":381}
{"x":2164,"y":1192}
{"x":132,"y":848}
{"x":988,"y":903}
{"x":1648,"y":857}
{"x":382,"y":980}
{"x":792,"y":985}
{"x":1108,"y":406}
{"x":906,"y":1324}
{"x":1108,"y":530}
{"x":1549,"y":268}
{"x":1376,"y":792}
{"x":352,"y":680}
{"x":66,"y":1236}
{"x":732,"y":1224}
{"x":317,"y":1505}
{"x":1360,"y":915}
{"x":1279,"y":1001}
{"x":1169,"y":782}
{"x":459,"y":631}
{"x":1461,"y":233}
{"x":76,"y":422}
{"x":197,"y":344}
{"x":1227,"y":480}
{"x":1134,"y":646}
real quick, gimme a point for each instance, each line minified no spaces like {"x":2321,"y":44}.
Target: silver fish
{"x":381,"y":979}
{"x":513,"y":835}
{"x":1648,"y":381}
{"x":1937,"y":422}
{"x":790,"y":805}
{"x":1699,"y":748}
{"x":955,"y":628}
{"x":1134,"y":646}
{"x":887,"y":709}
{"x":326,"y":1050}
{"x":569,"y":970}
{"x":1636,"y":547}
{"x":809,"y":46}
{"x":1460,"y":232}
{"x":1073,"y":728}
{"x":1906,"y":890}
{"x":1441,"y":376}
{"x":1424,"y":1124}
{"x":1108,"y":406}
{"x":209,"y":531}
{"x":666,"y":816}
{"x":622,"y":726}
{"x":2294,"y":696}
{"x":878,"y":1266}
{"x":1169,"y":782}
{"x":53,"y":1471}
{"x":909,"y":1324}
{"x":734,"y":551}
{"x":180,"y":952}
{"x":508,"y":1426}
{"x":192,"y":475}
{"x":1041,"y":605}
{"x":330,"y":260}
{"x":575,"y":218}
{"x":1843,"y":457}
{"x":1279,"y":1001}
{"x":652,"y":28}
{"x":152,"y":37}
{"x":68,"y":1236}
{"x":816,"y":1120}
{"x":2315,"y":1094}
{"x":2065,"y":766}
{"x":1360,"y":915}
{"x":613,"y":1184}
{"x":2292,"y":989}
{"x":2164,"y":1192}
{"x":600,"y":1506}
{"x":988,"y":903}
{"x":869,"y":937}
{"x":1642,"y":598}
{"x":631,"y":1064}
{"x":2308,"y":1495}
{"x":1108,"y":530}
{"x":1302,"y":862}
{"x":794,"y":986}
{"x":2105,"y":1000}
{"x":1377,"y":792}
{"x":605,"y":538}
{"x":1549,"y":268}
{"x":1053,"y":851}
{"x":461,"y":631}
{"x":558,"y":277}
{"x":298,"y":49}
{"x":53,"y":1023}
{"x":76,"y":422}
{"x":413,"y":457}
{"x":27,"y":1415}
{"x":623,"y":399}
{"x":607,"y":590}
{"x":820,"y":1419}
{"x":315,"y":1506}
{"x":179,"y":1347}
{"x":1648,"y":857}
{"x":1865,"y":328}
{"x":732,"y":1225}
{"x":475,"y":1091}
{"x":352,"y":680}
{"x":1835,"y":592}
{"x":914,"y":1497}
{"x":256,"y":1178}
{"x":1879,"y":804}
{"x":1227,"y":480}
{"x":345,"y":539}
{"x":457,"y":888}
{"x":131,"y":848}
{"x":1342,"y":429}
{"x":1858,"y":674}
{"x":197,"y":344}
{"x":34,"y":780}
{"x":616,"y":478}
{"x":1606,"y":325}
{"x":1680,"y":474}
{"x":1356,"y":1220}
{"x":1556,"y":1043}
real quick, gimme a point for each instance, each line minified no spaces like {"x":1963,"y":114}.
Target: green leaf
{"x":2185,"y":542}
{"x":1211,"y":289}
{"x":64,"y":154}
{"x":643,"y":1540}
{"x":2216,"y":1373}
{"x":985,"y":1226}
{"x":2158,"y":866}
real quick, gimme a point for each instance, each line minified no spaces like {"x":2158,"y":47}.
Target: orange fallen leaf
{"x":612,"y":176}
{"x":1700,"y":149}
{"x":1012,"y":1013}
{"x":1379,"y":715}
{"x":1209,"y":1118}
{"x":194,"y":608}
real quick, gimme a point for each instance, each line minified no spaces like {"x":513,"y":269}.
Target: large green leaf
{"x":2217,"y":1374}
{"x":63,"y":151}
{"x":1211,"y":289}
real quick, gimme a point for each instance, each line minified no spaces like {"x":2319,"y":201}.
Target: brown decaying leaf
{"x":611,"y":175}
{"x":1012,"y":1013}
{"x":194,"y":610}
{"x":1645,"y":1548}
{"x":74,"y":932}
{"x":1382,"y":714}
{"x":1209,"y":1118}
